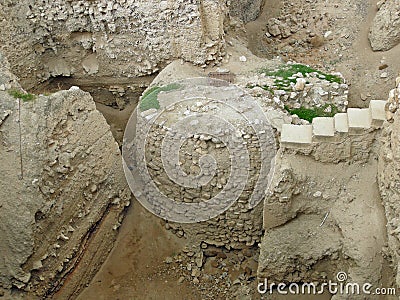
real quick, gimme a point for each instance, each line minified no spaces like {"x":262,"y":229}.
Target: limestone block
{"x":323,"y":128}
{"x":359,"y":119}
{"x":377,"y":110}
{"x":296,"y":135}
{"x":341,"y":123}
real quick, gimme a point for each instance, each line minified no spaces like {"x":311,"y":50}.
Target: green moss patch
{"x":310,"y":113}
{"x":149,"y":99}
{"x":21,"y":95}
{"x":284,"y":75}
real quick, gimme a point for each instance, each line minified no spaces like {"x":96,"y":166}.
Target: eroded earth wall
{"x":63,"y":189}
{"x":388,"y":176}
{"x":108,"y":38}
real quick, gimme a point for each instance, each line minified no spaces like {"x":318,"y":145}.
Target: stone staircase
{"x":328,"y":129}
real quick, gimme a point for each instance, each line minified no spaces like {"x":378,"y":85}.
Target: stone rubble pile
{"x":215,"y":269}
{"x":308,"y":91}
{"x":393,"y":101}
{"x":285,"y":26}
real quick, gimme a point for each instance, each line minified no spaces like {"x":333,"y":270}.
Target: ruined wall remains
{"x":324,"y":177}
{"x":388,"y":176}
{"x":347,"y":137}
{"x":385,"y":30}
{"x":180,"y":104}
{"x":315,"y":217}
{"x":108,"y":38}
{"x":63,"y":189}
{"x":307,"y":90}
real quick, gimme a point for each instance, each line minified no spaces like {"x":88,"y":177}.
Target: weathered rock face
{"x":62,"y":193}
{"x":388,"y":178}
{"x":309,"y":222}
{"x":109,"y":38}
{"x":385,"y":30}
{"x":247,"y":10}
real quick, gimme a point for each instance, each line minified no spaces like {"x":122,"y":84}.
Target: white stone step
{"x":341,"y":123}
{"x":377,"y":111}
{"x":323,"y":128}
{"x":296,"y":135}
{"x":359,"y":119}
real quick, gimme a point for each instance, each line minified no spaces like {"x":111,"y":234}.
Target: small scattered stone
{"x":221,"y":255}
{"x":236,"y":281}
{"x":384,"y":75}
{"x":248,"y":271}
{"x":382,"y":67}
{"x":300,"y":84}
{"x":210,"y":252}
{"x":93,"y":188}
{"x":196,"y":272}
{"x":240,"y":256}
{"x":389,"y":116}
{"x":214,"y":264}
{"x":317,"y":41}
{"x":243,"y":58}
{"x":181,"y":279}
{"x":273,"y":29}
{"x":168,"y":260}
{"x":247,"y":252}
{"x":196,"y":280}
{"x":363,"y":97}
{"x":199,"y":260}
{"x":37,"y":265}
{"x":317,"y":194}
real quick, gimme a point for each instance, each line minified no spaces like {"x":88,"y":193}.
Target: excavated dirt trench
{"x":115,"y":98}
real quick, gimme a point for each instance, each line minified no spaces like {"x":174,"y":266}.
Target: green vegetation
{"x":149,"y":98}
{"x":310,"y":113}
{"x":285,"y":75}
{"x":22,"y":95}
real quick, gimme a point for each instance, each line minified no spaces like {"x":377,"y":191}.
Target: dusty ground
{"x":140,"y":268}
{"x":135,"y":268}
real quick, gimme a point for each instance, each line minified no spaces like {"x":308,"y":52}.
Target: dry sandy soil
{"x":135,"y":268}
